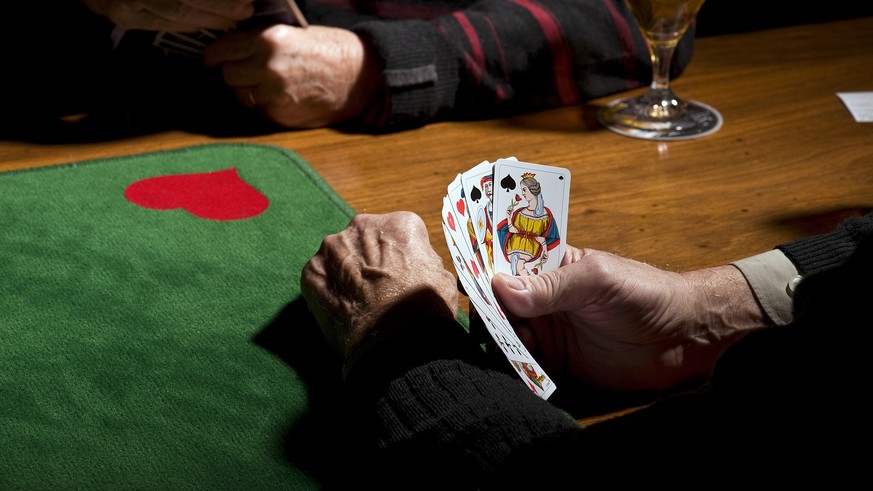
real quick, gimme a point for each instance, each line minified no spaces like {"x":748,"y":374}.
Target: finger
{"x":232,"y":47}
{"x":231,"y":9}
{"x":313,"y":281}
{"x":312,"y":277}
{"x":214,"y":14}
{"x":130,"y":19}
{"x":404,"y":226}
{"x":561,"y":290}
{"x":571,"y":255}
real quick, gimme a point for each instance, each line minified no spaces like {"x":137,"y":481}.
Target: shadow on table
{"x":575,"y":119}
{"x":120,"y":119}
{"x":808,"y":224}
{"x":321,"y":442}
{"x":108,"y":125}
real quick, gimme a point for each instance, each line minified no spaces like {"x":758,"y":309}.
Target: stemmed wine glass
{"x":659,"y":114}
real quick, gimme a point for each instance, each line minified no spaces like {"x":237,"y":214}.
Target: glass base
{"x":652,"y":116}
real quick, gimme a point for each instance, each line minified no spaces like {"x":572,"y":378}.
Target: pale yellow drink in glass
{"x":659,"y":114}
{"x":664,"y":21}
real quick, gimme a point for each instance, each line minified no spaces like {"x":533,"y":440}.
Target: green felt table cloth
{"x":153,"y":336}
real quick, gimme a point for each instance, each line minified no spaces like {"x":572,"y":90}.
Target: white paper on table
{"x":859,"y":104}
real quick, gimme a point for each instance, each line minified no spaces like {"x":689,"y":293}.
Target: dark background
{"x":734,"y":16}
{"x":58,"y":61}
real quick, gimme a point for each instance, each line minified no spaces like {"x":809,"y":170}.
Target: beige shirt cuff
{"x":772,"y":277}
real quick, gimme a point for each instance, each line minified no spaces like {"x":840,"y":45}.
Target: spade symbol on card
{"x":475,"y":194}
{"x":507,"y":183}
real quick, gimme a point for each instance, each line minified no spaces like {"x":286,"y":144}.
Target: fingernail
{"x":514,"y":282}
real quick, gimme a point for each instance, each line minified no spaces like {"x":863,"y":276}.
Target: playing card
{"x":478,"y":184}
{"x":495,"y":321}
{"x":476,"y":283}
{"x":466,"y":225}
{"x":188,"y":45}
{"x":465,"y":235}
{"x":482,"y":302}
{"x":530,"y":217}
{"x":191,"y":45}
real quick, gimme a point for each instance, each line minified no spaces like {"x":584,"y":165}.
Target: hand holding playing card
{"x":191,"y":42}
{"x":621,"y":324}
{"x":173,"y":15}
{"x":298,"y":78}
{"x":528,"y":235}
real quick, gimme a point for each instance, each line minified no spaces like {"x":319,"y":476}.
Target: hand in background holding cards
{"x":173,"y":15}
{"x":299,"y":77}
{"x":622,"y":324}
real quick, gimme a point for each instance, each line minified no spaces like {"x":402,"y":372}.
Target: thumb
{"x":532,"y":296}
{"x":233,"y":46}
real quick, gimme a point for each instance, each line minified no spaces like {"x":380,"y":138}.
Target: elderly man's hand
{"x":622,"y":324}
{"x":299,"y":77}
{"x":379,"y":263}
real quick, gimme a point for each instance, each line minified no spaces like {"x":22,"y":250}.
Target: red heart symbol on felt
{"x":460,"y":205}
{"x":219,"y":195}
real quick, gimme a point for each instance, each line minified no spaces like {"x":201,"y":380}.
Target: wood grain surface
{"x":789,"y":160}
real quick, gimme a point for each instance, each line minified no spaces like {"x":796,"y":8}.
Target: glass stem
{"x":662,"y":57}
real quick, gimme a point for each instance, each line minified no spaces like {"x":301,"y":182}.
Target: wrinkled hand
{"x":378,"y":263}
{"x":621,"y":324}
{"x":299,"y":77}
{"x":173,"y":15}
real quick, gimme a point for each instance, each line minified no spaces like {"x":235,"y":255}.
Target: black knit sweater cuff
{"x":825,"y":251}
{"x":405,"y":347}
{"x":420,"y":70}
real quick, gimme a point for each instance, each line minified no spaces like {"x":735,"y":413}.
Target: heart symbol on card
{"x":459,"y":205}
{"x":219,"y":195}
{"x":450,"y":219}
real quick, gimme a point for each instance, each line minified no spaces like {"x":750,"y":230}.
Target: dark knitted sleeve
{"x":825,"y":251}
{"x":420,"y":68}
{"x":437,"y":413}
{"x":500,"y":57}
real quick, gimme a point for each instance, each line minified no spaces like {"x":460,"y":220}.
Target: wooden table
{"x":789,"y":160}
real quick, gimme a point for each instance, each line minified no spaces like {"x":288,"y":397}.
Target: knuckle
{"x":276,"y":36}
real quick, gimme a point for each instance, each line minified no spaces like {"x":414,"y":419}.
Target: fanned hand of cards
{"x":528,"y":203}
{"x":192,"y":44}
